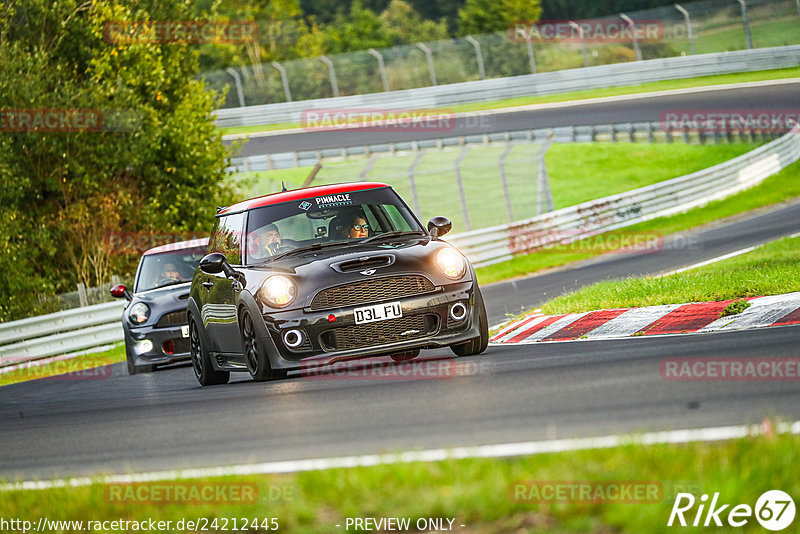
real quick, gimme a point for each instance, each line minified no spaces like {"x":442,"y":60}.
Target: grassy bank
{"x":769,"y":270}
{"x":665,"y":85}
{"x":578,"y":172}
{"x":780,"y":187}
{"x":67,"y":369}
{"x":482,"y":494}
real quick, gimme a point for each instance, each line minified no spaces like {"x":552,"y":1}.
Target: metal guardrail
{"x":632,"y":131}
{"x":500,"y":243}
{"x":545,"y":83}
{"x":61,"y":332}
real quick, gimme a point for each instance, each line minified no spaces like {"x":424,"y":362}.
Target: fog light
{"x":293,"y":338}
{"x":144,"y":346}
{"x":458,"y":311}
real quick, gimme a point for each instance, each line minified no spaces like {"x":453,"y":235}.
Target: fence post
{"x":82,"y":298}
{"x":284,"y":80}
{"x":479,"y":54}
{"x":411,"y":169}
{"x":576,"y":26}
{"x":545,"y":200}
{"x":429,"y":55}
{"x":367,"y":168}
{"x":531,"y":59}
{"x":381,"y":68}
{"x":238,"y":82}
{"x":746,"y":22}
{"x":798,"y":7}
{"x":632,"y":25}
{"x":689,"y":26}
{"x":332,"y":74}
{"x":502,"y":165}
{"x":460,"y":183}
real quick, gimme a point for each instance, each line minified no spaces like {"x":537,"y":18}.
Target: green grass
{"x":69,"y":367}
{"x":771,"y":269}
{"x":780,"y":187}
{"x":776,"y":32}
{"x":664,"y":85}
{"x":578,"y":172}
{"x":478,"y":493}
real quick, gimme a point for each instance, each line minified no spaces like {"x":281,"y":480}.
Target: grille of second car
{"x":379,"y":333}
{"x":176,"y":318}
{"x":376,"y":290}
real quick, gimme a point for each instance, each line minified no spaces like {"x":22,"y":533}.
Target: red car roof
{"x":298,"y":194}
{"x":180,"y":245}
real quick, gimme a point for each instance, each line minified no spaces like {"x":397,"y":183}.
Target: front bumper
{"x":425,"y":323}
{"x":167,"y":344}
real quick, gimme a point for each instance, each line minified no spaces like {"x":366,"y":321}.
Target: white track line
{"x":709,"y":262}
{"x":550,"y":105}
{"x":500,"y":450}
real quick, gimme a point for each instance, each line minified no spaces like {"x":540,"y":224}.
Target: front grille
{"x":176,"y":318}
{"x":376,"y":290}
{"x":379,"y":333}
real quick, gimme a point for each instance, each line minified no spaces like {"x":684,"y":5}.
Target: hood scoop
{"x":362,"y":263}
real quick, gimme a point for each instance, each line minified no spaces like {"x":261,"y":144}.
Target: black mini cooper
{"x":154,"y":321}
{"x":315,"y":276}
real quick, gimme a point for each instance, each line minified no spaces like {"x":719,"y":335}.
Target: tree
{"x":406,"y":26}
{"x":486,"y":16}
{"x":360,"y":29}
{"x":154,"y":164}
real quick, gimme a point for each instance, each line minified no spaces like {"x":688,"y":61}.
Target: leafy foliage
{"x":160,"y":170}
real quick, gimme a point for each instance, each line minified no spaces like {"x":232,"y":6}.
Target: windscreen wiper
{"x":394,"y":234}
{"x":310,"y":248}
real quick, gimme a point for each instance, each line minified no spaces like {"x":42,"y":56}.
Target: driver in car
{"x":268,"y":241}
{"x":168,"y":274}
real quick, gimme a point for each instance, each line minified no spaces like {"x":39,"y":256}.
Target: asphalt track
{"x":165,"y":420}
{"x":785,"y":96}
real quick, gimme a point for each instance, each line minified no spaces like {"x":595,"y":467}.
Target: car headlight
{"x":450,"y":263}
{"x":139,"y":313}
{"x":278,"y":290}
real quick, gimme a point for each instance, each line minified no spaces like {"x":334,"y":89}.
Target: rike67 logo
{"x":774,"y":510}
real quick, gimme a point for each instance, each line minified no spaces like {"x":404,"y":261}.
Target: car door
{"x":222,"y":293}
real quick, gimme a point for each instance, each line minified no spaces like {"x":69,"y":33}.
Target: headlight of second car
{"x":450,"y":263}
{"x":278,"y":291}
{"x":139,"y":313}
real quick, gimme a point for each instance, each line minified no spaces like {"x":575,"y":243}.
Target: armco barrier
{"x":500,"y":243}
{"x":61,"y":332}
{"x":545,"y":83}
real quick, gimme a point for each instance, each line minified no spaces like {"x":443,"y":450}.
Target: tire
{"x":405,"y":355}
{"x":201,"y":361}
{"x":255,"y":354}
{"x":477,"y":344}
{"x":134,"y":369}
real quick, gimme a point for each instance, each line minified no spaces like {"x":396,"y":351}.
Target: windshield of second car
{"x":342,"y":217}
{"x":168,"y":268}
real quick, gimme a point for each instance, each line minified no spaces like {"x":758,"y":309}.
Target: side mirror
{"x":119,"y":291}
{"x":438,"y":226}
{"x":213,"y":263}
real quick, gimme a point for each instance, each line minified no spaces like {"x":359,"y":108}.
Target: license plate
{"x":185,"y":330}
{"x":378,"y":312}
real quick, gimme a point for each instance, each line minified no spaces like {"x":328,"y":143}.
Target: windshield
{"x":167,"y":268}
{"x":343,"y":217}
